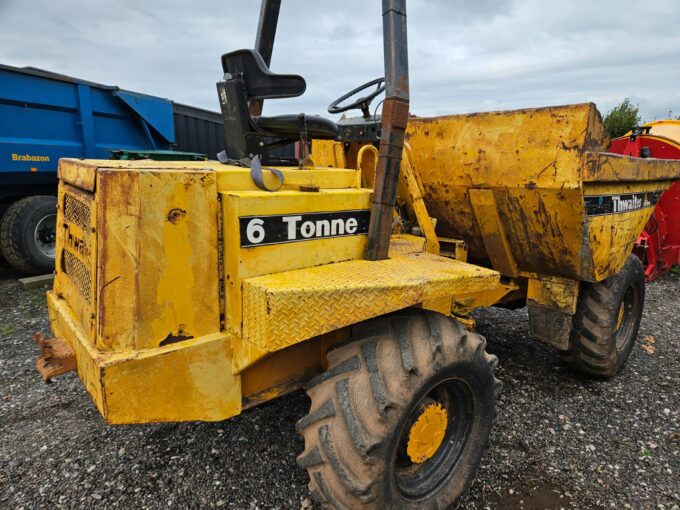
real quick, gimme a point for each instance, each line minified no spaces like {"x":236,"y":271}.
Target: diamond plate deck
{"x":286,"y":308}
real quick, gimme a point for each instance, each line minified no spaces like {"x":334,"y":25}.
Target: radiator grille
{"x":76,"y":212}
{"x":76,"y":264}
{"x":79,"y":274}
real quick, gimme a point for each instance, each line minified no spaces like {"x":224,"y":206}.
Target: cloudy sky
{"x":465,"y":55}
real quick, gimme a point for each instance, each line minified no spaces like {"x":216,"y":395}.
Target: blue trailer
{"x":46,"y":116}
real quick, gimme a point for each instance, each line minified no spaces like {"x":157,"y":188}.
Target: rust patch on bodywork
{"x":57,"y":357}
{"x":534,"y":166}
{"x":175,"y":215}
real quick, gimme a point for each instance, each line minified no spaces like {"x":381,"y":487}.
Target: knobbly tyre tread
{"x":325,"y":410}
{"x":592,"y":342}
{"x":3,"y":208}
{"x":311,"y":458}
{"x":346,"y":366}
{"x":355,"y":429}
{"x":389,"y":359}
{"x":348,"y":479}
{"x":408,"y":361}
{"x":369,"y":350}
{"x":12,"y":231}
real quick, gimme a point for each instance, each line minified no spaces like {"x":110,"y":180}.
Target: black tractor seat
{"x":246,"y":79}
{"x":290,"y":125}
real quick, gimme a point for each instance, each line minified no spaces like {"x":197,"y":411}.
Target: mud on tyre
{"x":402,"y":415}
{"x":607,"y":321}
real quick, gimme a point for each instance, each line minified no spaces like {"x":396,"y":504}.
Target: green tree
{"x":622,"y":118}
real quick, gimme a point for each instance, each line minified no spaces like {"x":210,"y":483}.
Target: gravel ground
{"x":560,"y":441}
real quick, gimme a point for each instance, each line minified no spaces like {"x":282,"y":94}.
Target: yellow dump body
{"x":532,"y":191}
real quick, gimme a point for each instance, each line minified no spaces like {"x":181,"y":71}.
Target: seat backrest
{"x":261,"y":83}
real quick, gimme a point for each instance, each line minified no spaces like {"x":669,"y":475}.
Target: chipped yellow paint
{"x":76,"y":237}
{"x":157,"y":257}
{"x":553,"y":293}
{"x":288,"y":369}
{"x":402,"y":244}
{"x":238,"y":179}
{"x":284,"y":308}
{"x":65,"y":324}
{"x":610,"y":237}
{"x":414,"y":199}
{"x":328,"y":154}
{"x":493,"y":233}
{"x":529,"y":161}
{"x":367,"y":162}
{"x":155,"y":283}
{"x":151,"y":314}
{"x":427,"y":433}
{"x":241,"y":263}
{"x":78,"y":173}
{"x":410,"y":188}
{"x":453,"y":248}
{"x":464,"y":303}
{"x":537,"y":164}
{"x":467,"y":321}
{"x":189,"y":380}
{"x":83,"y":174}
{"x":615,"y":168}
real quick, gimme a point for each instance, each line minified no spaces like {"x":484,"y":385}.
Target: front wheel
{"x":401,"y":417}
{"x":607,"y":321}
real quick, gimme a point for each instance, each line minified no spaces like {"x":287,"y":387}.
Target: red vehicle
{"x":658,"y":246}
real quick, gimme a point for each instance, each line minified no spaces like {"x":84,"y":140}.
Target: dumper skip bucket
{"x":533,"y":192}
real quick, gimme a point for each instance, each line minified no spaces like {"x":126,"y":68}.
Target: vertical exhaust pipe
{"x":394,"y":121}
{"x":264,"y":41}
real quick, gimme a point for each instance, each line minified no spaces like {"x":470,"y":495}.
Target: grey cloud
{"x":464,"y":56}
{"x":465,"y":11}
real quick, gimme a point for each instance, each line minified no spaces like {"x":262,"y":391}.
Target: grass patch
{"x":39,"y":298}
{"x":7,"y":330}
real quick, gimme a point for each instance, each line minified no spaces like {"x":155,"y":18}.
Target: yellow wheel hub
{"x":619,"y":319}
{"x":427,"y":433}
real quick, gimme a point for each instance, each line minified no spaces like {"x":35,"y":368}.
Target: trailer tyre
{"x":402,"y":415}
{"x":607,"y":321}
{"x":3,"y":208}
{"x":27,"y":234}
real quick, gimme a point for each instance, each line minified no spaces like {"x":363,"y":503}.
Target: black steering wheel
{"x":362,"y":103}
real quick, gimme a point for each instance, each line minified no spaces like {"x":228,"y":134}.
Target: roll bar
{"x":394,"y":120}
{"x":264,"y":41}
{"x":394,"y":114}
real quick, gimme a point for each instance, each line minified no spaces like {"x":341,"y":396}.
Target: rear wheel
{"x":402,"y":415}
{"x":607,"y":321}
{"x":27,"y":234}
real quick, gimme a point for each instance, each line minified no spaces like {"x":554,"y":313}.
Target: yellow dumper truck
{"x":196,"y":290}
